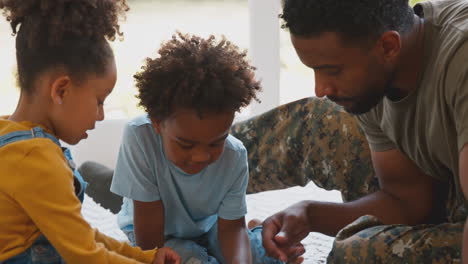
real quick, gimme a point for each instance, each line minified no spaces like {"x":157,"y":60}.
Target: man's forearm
{"x":329,"y":218}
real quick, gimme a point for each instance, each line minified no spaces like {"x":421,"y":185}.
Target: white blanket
{"x":260,"y":205}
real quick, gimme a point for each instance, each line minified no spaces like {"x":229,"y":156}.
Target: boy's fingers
{"x":298,"y":260}
{"x":293,"y":253}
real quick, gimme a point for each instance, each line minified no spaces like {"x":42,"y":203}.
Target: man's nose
{"x":322,"y":87}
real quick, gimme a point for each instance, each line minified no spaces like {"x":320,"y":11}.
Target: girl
{"x":66,"y":69}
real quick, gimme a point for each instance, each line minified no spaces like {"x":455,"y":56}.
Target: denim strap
{"x":38,"y":132}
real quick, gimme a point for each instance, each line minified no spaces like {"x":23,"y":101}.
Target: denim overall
{"x":42,"y":252}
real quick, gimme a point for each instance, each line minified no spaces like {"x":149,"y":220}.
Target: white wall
{"x":102,"y":144}
{"x":265,"y":52}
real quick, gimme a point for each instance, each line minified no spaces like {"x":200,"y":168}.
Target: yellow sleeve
{"x":145,"y":256}
{"x":45,"y":191}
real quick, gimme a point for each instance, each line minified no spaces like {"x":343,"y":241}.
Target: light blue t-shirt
{"x":192,"y":202}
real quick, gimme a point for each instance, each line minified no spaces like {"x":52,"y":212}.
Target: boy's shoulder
{"x":234,"y":145}
{"x":141,"y":120}
{"x":140,"y":126}
{"x":140,"y":137}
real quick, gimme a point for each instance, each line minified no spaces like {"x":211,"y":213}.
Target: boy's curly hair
{"x":195,"y":73}
{"x":67,"y":33}
{"x":352,"y":19}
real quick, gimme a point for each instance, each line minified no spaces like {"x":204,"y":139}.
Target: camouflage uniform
{"x":313,"y":139}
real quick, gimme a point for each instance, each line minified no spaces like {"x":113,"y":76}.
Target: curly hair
{"x":352,"y":19}
{"x":63,"y":33}
{"x":190,"y":72}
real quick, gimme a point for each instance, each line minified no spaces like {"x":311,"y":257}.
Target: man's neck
{"x":410,"y":67}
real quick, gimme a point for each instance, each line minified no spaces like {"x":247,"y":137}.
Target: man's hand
{"x":406,"y":197}
{"x":166,"y":256}
{"x":283,"y":232}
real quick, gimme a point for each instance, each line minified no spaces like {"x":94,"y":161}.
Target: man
{"x":404,"y":74}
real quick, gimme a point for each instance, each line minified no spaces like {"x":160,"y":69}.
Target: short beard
{"x":365,"y":104}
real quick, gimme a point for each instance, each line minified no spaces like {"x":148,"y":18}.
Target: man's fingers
{"x":288,"y":237}
{"x":284,"y":249}
{"x":281,"y":238}
{"x":269,"y":231}
{"x":273,"y":250}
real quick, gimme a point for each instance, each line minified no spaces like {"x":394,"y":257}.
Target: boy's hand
{"x":166,"y":255}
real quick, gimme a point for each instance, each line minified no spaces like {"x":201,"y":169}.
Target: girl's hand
{"x":166,"y":255}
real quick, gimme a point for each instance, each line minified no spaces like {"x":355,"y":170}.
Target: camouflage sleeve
{"x":307,"y":140}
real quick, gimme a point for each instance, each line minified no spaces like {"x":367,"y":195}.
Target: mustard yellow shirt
{"x":37,"y":196}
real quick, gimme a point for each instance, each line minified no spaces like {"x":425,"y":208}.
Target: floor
{"x":260,"y":205}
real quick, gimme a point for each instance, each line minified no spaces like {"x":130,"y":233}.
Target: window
{"x":148,"y":23}
{"x":250,"y":24}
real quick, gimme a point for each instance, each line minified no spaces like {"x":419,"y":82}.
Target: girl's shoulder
{"x":29,"y":164}
{"x":17,"y":139}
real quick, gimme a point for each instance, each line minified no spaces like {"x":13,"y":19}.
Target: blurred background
{"x":150,"y":22}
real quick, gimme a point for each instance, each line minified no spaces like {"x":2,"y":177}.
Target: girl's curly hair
{"x":190,"y":72}
{"x":67,"y":33}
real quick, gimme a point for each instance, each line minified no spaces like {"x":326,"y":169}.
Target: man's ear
{"x":389,"y":46}
{"x":60,"y":88}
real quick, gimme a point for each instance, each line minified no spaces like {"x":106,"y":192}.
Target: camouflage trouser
{"x":313,"y":139}
{"x":367,"y":240}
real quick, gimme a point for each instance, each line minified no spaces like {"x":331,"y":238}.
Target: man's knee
{"x":368,"y":241}
{"x":99,"y":178}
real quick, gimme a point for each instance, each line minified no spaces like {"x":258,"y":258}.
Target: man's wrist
{"x":311,"y":213}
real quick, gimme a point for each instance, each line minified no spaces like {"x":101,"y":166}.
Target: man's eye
{"x":334,"y":72}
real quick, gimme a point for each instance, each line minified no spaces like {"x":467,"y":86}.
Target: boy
{"x":183,"y":176}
